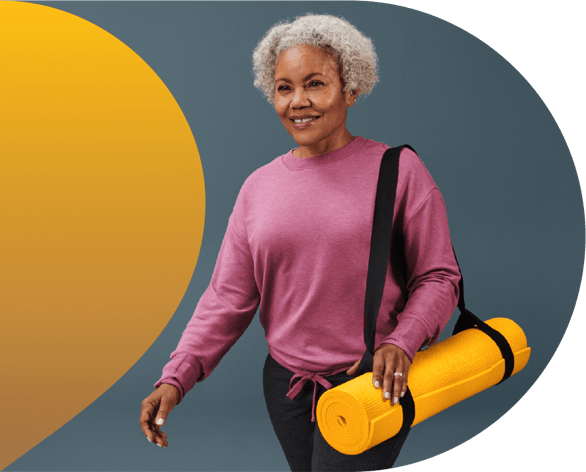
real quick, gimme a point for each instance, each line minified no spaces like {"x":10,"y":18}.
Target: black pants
{"x":303,"y":445}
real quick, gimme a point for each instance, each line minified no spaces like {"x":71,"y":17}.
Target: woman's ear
{"x":351,"y":97}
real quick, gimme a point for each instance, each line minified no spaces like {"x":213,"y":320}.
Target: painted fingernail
{"x":149,"y":440}
{"x":387,"y":395}
{"x":376,"y":384}
{"x":396,"y":400}
{"x":160,"y":421}
{"x":402,"y":394}
{"x":159,"y":445}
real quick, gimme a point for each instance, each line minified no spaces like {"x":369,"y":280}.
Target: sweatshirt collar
{"x":300,"y":163}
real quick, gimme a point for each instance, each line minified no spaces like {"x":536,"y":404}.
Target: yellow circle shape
{"x":102,"y":209}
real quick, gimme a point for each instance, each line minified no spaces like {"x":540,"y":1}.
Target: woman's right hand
{"x":154,"y":411}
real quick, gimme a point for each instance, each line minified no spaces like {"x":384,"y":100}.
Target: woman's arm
{"x":433,"y":295}
{"x":433,"y":277}
{"x":223,"y":313}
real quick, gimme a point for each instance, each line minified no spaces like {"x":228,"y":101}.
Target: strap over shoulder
{"x":384,"y":247}
{"x":380,"y":248}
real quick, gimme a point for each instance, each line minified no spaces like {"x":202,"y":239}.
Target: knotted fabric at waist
{"x":304,"y":377}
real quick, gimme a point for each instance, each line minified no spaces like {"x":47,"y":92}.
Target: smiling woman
{"x":297,"y":246}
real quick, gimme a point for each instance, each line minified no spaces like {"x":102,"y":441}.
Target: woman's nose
{"x":300,"y":98}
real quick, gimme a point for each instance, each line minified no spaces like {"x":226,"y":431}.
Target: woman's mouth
{"x":301,"y":123}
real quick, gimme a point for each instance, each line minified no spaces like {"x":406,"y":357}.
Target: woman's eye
{"x":315,"y":83}
{"x":282,"y":87}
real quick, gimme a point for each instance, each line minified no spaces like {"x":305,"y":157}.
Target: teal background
{"x":542,"y":431}
{"x":545,"y":43}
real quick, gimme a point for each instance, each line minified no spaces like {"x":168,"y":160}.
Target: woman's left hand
{"x":388,"y":361}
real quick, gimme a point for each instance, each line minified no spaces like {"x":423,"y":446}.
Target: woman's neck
{"x":323,"y":148}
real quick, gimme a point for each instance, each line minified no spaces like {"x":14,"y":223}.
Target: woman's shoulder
{"x":263,"y":173}
{"x":411,"y":167}
{"x":260,"y":181}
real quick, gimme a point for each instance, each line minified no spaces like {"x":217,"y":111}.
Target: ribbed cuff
{"x":175,"y":384}
{"x":409,"y":335}
{"x":182,"y":372}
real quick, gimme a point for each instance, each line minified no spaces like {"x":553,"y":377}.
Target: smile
{"x":302,"y":123}
{"x":305,"y":120}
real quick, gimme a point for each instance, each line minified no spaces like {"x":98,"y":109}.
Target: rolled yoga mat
{"x":353,"y":417}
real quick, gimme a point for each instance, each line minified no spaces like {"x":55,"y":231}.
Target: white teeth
{"x":304,"y":120}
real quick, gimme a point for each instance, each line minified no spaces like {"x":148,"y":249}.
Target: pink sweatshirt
{"x":298,"y":243}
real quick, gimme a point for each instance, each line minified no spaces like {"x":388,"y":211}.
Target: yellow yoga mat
{"x":353,"y":417}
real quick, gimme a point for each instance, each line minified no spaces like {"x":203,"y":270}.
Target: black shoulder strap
{"x":468,"y":320}
{"x":383,"y":246}
{"x":380,"y":242}
{"x":380,"y":247}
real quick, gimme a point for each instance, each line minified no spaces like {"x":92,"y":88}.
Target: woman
{"x":297,"y":245}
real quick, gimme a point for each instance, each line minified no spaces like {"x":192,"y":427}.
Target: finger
{"x":159,"y":432}
{"x":388,"y":378}
{"x":398,"y":385}
{"x":159,"y":441}
{"x":165,"y":408}
{"x":146,"y":411}
{"x":148,"y":433}
{"x":354,"y":368}
{"x":160,"y":437}
{"x":405,"y":380}
{"x":378,"y":368}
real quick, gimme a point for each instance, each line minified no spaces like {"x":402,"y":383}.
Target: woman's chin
{"x":304,"y":142}
{"x":308,"y":139}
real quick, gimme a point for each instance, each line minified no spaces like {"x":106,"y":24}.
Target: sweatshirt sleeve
{"x":433,"y":280}
{"x":223,"y":313}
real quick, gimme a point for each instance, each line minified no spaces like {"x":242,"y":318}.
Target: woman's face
{"x":309,"y":100}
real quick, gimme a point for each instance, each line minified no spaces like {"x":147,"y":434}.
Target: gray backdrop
{"x":508,"y":180}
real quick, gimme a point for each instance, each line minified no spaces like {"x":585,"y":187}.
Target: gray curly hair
{"x":353,"y":52}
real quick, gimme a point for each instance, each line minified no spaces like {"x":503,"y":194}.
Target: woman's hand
{"x":388,"y":360}
{"x":154,"y":411}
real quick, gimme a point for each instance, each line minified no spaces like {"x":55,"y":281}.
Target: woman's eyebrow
{"x":307,"y":77}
